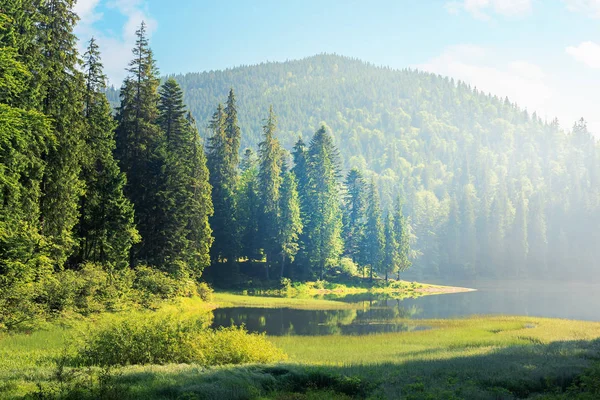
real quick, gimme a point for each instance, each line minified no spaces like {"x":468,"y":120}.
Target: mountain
{"x":490,"y":189}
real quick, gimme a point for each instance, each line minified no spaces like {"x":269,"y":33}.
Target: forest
{"x":98,"y":204}
{"x":156,"y":235}
{"x":521,"y":191}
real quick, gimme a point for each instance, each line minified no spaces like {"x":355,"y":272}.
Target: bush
{"x":157,"y":340}
{"x":234,"y":345}
{"x":205,"y":292}
{"x":348,"y":267}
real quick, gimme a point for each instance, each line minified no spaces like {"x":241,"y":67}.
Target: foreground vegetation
{"x":171,"y":354}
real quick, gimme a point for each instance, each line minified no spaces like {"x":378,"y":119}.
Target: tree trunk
{"x":282,"y":264}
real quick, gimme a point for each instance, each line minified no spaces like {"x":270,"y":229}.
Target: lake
{"x":379,"y":313}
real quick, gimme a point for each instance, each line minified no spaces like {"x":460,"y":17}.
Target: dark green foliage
{"x":323,"y":243}
{"x":373,"y":243}
{"x":291,"y":224}
{"x":106,"y":229}
{"x":184,"y":238}
{"x":269,"y":184}
{"x":139,"y":143}
{"x":223,"y":179}
{"x":248,"y":208}
{"x":61,"y":100}
{"x":354,"y":215}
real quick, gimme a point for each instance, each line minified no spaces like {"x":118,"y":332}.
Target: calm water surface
{"x":375,"y":314}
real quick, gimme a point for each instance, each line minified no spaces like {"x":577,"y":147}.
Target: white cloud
{"x":115,"y":47}
{"x":589,"y":7}
{"x":481,"y":9}
{"x":587,"y":53}
{"x":523,"y":82}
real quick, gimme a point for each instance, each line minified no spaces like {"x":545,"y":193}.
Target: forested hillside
{"x":490,"y":189}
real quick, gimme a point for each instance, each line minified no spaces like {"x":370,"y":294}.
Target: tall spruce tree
{"x":106,"y":228}
{"x":61,"y":92}
{"x":374,"y":240}
{"x":323,"y":242}
{"x":25,"y":135}
{"x":290,"y":227}
{"x":391,"y":261}
{"x":139,"y":142}
{"x":248,"y":205}
{"x":223,"y":179}
{"x":300,"y":171}
{"x":269,"y":184}
{"x":354,"y":215}
{"x":185,"y":204}
{"x":200,"y":207}
{"x":402,"y":237}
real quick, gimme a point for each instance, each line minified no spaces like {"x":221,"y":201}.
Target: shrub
{"x":205,"y":292}
{"x":348,"y":267}
{"x":154,"y":340}
{"x":234,"y":345}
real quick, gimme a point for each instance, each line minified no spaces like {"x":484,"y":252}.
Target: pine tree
{"x":61,"y":91}
{"x":248,"y":205}
{"x":374,"y":240}
{"x":269,"y":184}
{"x":25,"y":135}
{"x":185,"y":204}
{"x":354,"y":214}
{"x":291,"y":224}
{"x":200,"y":207}
{"x":300,"y":171}
{"x":402,"y":237}
{"x":106,"y":228}
{"x":391,"y":259}
{"x":223,"y":179}
{"x":324,"y":244}
{"x":139,"y":143}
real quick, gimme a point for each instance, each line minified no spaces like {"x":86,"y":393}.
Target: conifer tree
{"x":223,"y":179}
{"x":185,"y":204}
{"x":391,"y":259}
{"x":354,"y":214}
{"x":139,"y":142}
{"x":324,"y":244}
{"x":61,"y":90}
{"x":248,"y":208}
{"x":106,"y":228}
{"x":269,"y":184}
{"x":291,"y":224}
{"x":25,"y":135}
{"x":200,"y":207}
{"x":374,"y":240}
{"x":403,"y":240}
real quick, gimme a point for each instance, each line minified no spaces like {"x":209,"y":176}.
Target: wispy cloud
{"x":115,"y":47}
{"x":587,"y":53}
{"x":483,"y":9}
{"x":591,"y":8}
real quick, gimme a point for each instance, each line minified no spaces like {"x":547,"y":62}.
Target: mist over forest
{"x":490,"y":188}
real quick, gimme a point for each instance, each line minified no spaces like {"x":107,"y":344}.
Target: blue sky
{"x":543,"y":54}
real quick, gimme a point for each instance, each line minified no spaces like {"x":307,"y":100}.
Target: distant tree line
{"x":489,"y":189}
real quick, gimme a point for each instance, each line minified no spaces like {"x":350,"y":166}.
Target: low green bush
{"x":205,"y":292}
{"x":155,"y":340}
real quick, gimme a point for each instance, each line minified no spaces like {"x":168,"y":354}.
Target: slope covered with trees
{"x":490,"y":189}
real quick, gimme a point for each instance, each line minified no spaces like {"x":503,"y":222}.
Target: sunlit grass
{"x":493,"y":357}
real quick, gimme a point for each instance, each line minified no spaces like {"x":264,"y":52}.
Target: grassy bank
{"x":353,"y":285}
{"x":472,"y":358}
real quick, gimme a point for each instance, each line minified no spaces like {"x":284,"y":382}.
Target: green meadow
{"x":487,"y":357}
